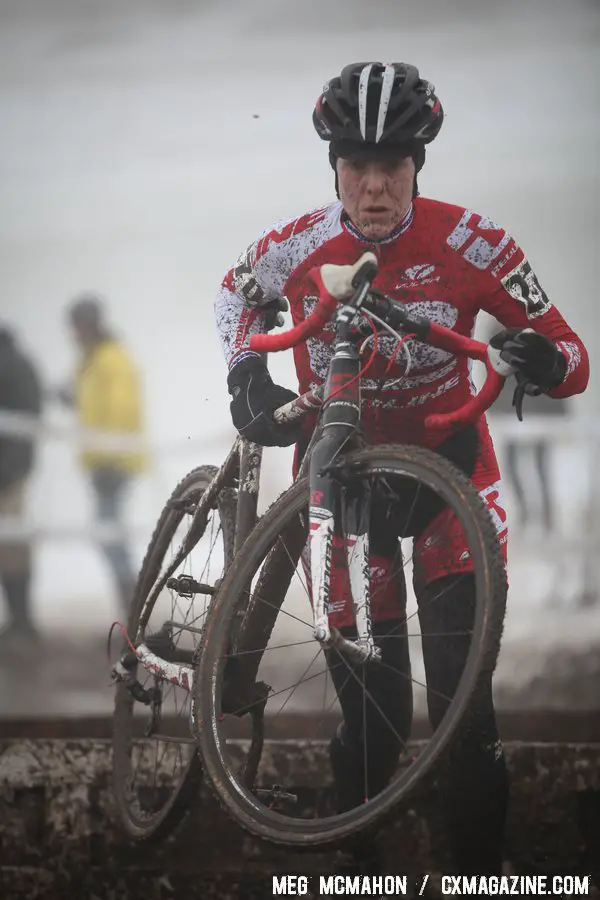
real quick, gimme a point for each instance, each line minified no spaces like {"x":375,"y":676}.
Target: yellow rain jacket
{"x":108,"y":397}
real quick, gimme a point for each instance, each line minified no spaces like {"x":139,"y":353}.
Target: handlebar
{"x":395,"y":314}
{"x":316,"y":321}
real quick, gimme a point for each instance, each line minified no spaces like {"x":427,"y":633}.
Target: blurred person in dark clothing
{"x":107,"y":397}
{"x":20,"y":392}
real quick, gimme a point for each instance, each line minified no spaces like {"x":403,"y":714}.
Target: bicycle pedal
{"x":188,"y":587}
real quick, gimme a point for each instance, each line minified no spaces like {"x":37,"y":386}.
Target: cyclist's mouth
{"x":376,"y":211}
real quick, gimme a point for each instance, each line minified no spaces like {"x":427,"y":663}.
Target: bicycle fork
{"x":340,"y":418}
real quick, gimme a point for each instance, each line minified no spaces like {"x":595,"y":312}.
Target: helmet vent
{"x":363,"y":96}
{"x":384,"y":101}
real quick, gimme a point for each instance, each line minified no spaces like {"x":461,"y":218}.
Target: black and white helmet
{"x":380,"y":104}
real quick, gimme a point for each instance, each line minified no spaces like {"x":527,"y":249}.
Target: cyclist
{"x":446,"y":262}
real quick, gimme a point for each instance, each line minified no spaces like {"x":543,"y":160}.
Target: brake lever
{"x":517,"y":400}
{"x":366,"y":273}
{"x":524,"y":386}
{"x":361,"y":282}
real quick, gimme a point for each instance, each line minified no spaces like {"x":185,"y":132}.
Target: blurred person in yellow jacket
{"x":107,"y":397}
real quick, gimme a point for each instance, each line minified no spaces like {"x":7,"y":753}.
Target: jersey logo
{"x":472,"y":237}
{"x":523,"y":286}
{"x":416,"y":276}
{"x":290,"y":229}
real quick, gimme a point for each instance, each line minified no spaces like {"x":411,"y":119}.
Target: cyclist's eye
{"x":395,"y":167}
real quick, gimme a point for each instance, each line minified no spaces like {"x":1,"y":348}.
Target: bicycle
{"x":333,"y":491}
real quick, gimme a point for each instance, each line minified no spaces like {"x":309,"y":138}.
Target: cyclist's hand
{"x":255,"y":398}
{"x":532,"y":355}
{"x":337,"y":280}
{"x":274,"y":313}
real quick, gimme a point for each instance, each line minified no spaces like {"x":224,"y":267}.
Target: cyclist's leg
{"x":388,"y":728}
{"x":387,"y":708}
{"x":472,"y":779}
{"x":381,"y":743}
{"x":376,"y":700}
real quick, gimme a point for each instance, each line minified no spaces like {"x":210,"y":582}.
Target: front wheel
{"x":260,"y":655}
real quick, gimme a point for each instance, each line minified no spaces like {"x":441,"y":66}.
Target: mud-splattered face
{"x":376,"y":193}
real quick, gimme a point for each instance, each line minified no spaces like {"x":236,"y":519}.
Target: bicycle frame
{"x":339,"y":419}
{"x":241,"y":470}
{"x":339,"y":422}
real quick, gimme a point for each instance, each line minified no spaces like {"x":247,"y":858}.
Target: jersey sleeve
{"x":512,"y":293}
{"x":257,"y":277}
{"x":262,"y":272}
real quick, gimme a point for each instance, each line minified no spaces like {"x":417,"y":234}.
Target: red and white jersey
{"x":443,"y":261}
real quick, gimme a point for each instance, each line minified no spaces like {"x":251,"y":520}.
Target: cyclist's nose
{"x":374,"y":180}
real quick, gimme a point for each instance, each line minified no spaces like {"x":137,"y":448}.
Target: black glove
{"x":274,"y":311}
{"x":534,"y":357}
{"x":255,"y":398}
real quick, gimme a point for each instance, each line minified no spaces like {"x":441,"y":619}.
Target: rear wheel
{"x":259,"y":652}
{"x":156,"y":770}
